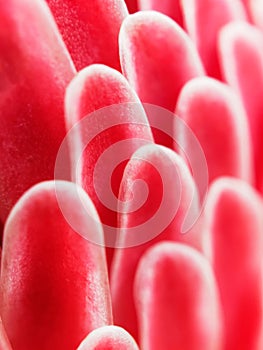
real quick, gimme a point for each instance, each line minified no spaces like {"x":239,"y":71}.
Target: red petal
{"x":109,"y":338}
{"x":216,"y":117}
{"x":241,"y":48}
{"x":177,"y":300}
{"x":157,"y":58}
{"x":107,"y":136}
{"x":54,"y":284}
{"x":234,"y":213}
{"x":171,"y":8}
{"x":90,"y":29}
{"x":165,"y":210}
{"x":203,"y":20}
{"x":35,"y":69}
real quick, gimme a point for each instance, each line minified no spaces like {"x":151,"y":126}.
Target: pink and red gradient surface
{"x":62,"y":63}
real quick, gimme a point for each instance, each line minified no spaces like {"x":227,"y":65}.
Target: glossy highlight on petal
{"x":157,"y":179}
{"x":35,"y":68}
{"x":90,"y":29}
{"x":235,"y":225}
{"x":217,"y":118}
{"x":241,"y":50}
{"x":109,"y":338}
{"x":54,"y":283}
{"x":177,"y":300}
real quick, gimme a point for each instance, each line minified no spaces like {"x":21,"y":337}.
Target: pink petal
{"x":217,"y":118}
{"x":234,"y":214}
{"x":107,"y":136}
{"x":35,"y":69}
{"x":90,"y":29}
{"x":167,"y":209}
{"x":54,"y":283}
{"x":255,"y":8}
{"x":171,"y":8}
{"x":177,"y":300}
{"x":109,"y":338}
{"x":158,"y":58}
{"x":241,"y":49}
{"x":4,"y":342}
{"x":203,"y":20}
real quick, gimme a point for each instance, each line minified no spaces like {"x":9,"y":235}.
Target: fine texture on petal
{"x":35,"y":69}
{"x":54,"y":284}
{"x":177,"y":300}
{"x":157,"y":58}
{"x":171,"y":8}
{"x":203,"y":20}
{"x":162,"y":214}
{"x":90,"y":29}
{"x":109,"y":338}
{"x":218,"y":120}
{"x":108,"y":136}
{"x":234,"y":214}
{"x":241,"y":48}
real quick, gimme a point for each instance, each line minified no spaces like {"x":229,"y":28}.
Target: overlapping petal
{"x":107,"y":136}
{"x":167,"y":208}
{"x":241,"y":50}
{"x":203,"y":21}
{"x":177,"y":300}
{"x":90,"y":29}
{"x":35,"y":69}
{"x":54,"y":282}
{"x":217,"y":118}
{"x":158,"y":58}
{"x":235,"y":225}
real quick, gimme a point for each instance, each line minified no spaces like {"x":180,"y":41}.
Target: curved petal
{"x":177,"y":300}
{"x":158,"y":58}
{"x":217,"y":118}
{"x":203,"y":21}
{"x":132,"y":5}
{"x":160,"y":211}
{"x":108,"y":338}
{"x":110,"y":124}
{"x":90,"y":29}
{"x":241,"y":50}
{"x":35,"y":69}
{"x":4,"y":342}
{"x":54,"y":282}
{"x":234,"y":221}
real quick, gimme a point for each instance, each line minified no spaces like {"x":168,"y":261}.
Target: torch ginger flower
{"x":131,"y":174}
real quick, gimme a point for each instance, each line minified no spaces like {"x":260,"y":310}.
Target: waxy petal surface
{"x":54,"y":282}
{"x":171,"y":8}
{"x":90,"y":29}
{"x":158,"y":58}
{"x":234,"y":221}
{"x":241,"y":50}
{"x":217,"y":118}
{"x":35,"y":69}
{"x":108,"y":136}
{"x":177,"y":300}
{"x":162,"y":211}
{"x":203,"y":21}
{"x":109,"y":338}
